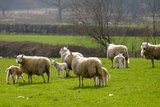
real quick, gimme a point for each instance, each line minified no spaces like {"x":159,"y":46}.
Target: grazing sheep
{"x":34,"y":65}
{"x":105,"y":76}
{"x":60,"y":67}
{"x":14,"y":71}
{"x":64,"y":52}
{"x":119,"y":61}
{"x":150,"y":51}
{"x":86,"y":67}
{"x":114,"y":50}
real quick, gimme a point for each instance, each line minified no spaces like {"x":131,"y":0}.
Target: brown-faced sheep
{"x":114,"y":50}
{"x":34,"y":65}
{"x":59,"y":67}
{"x":119,"y":61}
{"x":86,"y":67}
{"x":104,"y":77}
{"x":150,"y":51}
{"x":14,"y":71}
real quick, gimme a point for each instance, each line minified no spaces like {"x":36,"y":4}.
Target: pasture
{"x":133,"y":43}
{"x":136,"y":86}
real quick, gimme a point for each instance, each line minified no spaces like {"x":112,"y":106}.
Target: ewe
{"x":34,"y":65}
{"x":150,"y":51}
{"x":114,"y":50}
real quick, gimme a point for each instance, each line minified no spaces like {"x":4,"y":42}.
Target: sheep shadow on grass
{"x":27,"y":84}
{"x":86,"y":87}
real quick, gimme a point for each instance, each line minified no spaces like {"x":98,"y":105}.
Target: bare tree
{"x":152,"y":10}
{"x":59,"y":4}
{"x":96,"y":18}
{"x":4,"y":5}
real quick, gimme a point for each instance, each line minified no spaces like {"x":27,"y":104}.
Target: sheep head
{"x":53,"y":62}
{"x":63,"y":50}
{"x":19,"y":59}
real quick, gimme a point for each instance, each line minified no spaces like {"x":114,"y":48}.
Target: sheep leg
{"x":82,"y":82}
{"x":48,"y":75}
{"x":29,"y":78}
{"x":100,"y":81}
{"x":112,"y":62}
{"x":43,"y":78}
{"x":79,"y":81}
{"x":94,"y":81}
{"x":152,"y":60}
{"x":23,"y":78}
{"x":126,"y":64}
{"x":58,"y":73}
{"x":17,"y":77}
{"x":7,"y":77}
{"x":13,"y":78}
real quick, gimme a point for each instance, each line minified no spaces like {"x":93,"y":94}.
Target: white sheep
{"x":104,"y":77}
{"x":150,"y":51}
{"x":14,"y":71}
{"x":34,"y":65}
{"x":114,"y":50}
{"x":86,"y":67}
{"x":64,"y":52}
{"x":119,"y":61}
{"x":60,"y":67}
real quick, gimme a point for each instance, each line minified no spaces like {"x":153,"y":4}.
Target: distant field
{"x":133,"y":43}
{"x":50,"y":39}
{"x":137,"y":86}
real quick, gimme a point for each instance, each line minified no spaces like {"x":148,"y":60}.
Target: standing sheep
{"x":34,"y":65}
{"x":150,"y":51}
{"x":104,"y":77}
{"x":64,"y":52}
{"x":60,"y":67}
{"x":119,"y":61}
{"x":114,"y":50}
{"x":12,"y":71}
{"x":86,"y":67}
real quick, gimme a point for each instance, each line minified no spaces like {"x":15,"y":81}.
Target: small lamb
{"x":119,"y":61}
{"x":12,"y":71}
{"x":60,"y":67}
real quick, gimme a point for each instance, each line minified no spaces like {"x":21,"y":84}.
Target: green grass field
{"x":133,"y":43}
{"x":136,"y":86}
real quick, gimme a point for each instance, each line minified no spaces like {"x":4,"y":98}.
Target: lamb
{"x":14,"y":71}
{"x":34,"y":65}
{"x":60,"y":67}
{"x":105,"y":76}
{"x":150,"y":51}
{"x":114,"y":50}
{"x":119,"y":61}
{"x":86,"y":67}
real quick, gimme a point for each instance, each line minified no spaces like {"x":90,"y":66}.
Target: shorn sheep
{"x":119,"y":61}
{"x":59,"y":67}
{"x":14,"y":71}
{"x":150,"y":51}
{"x":114,"y":50}
{"x":86,"y":67}
{"x":34,"y":65}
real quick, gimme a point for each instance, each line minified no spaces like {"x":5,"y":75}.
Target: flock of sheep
{"x":83,"y":67}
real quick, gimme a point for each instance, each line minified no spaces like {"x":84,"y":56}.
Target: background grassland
{"x":133,"y":43}
{"x":137,"y":86}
